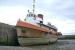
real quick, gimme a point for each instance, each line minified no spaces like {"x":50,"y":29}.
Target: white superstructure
{"x":34,"y":19}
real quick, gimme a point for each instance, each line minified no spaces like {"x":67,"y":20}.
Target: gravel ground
{"x":59,"y":45}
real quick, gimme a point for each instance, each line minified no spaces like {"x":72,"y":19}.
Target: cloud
{"x":59,"y":12}
{"x":10,"y":15}
{"x":65,"y":26}
{"x":12,"y":3}
{"x":63,"y":8}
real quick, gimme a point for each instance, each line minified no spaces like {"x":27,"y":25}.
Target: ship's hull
{"x":29,"y":34}
{"x":35,"y":41}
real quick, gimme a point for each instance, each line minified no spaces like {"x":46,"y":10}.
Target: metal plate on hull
{"x":33,"y":41}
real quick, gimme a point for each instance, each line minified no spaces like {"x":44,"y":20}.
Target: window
{"x":41,"y":22}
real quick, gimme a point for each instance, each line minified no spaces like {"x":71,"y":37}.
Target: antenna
{"x":33,"y":6}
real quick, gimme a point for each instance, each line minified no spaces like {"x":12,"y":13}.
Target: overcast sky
{"x":60,"y":13}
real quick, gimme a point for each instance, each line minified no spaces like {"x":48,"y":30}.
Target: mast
{"x":33,"y":6}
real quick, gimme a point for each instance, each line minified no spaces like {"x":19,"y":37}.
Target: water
{"x":59,"y":45}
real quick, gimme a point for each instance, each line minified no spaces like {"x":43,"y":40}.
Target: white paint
{"x":30,"y":20}
{"x":38,"y":19}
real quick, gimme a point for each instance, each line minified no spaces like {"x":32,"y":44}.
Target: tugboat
{"x":33,"y":31}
